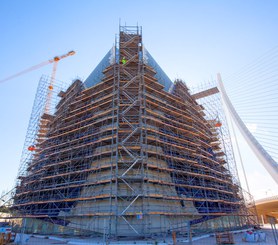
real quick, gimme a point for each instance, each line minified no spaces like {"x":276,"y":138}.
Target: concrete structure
{"x":127,"y":153}
{"x":267,"y":207}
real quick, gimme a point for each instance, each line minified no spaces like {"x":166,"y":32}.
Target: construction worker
{"x":123,"y":61}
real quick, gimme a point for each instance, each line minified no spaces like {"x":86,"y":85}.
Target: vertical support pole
{"x":113,"y":218}
{"x":22,"y":231}
{"x":272,"y":221}
{"x":274,"y":231}
{"x":104,"y":231}
{"x":189,"y":232}
{"x":262,"y":217}
{"x":174,"y":236}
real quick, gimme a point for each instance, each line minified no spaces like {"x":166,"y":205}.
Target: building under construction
{"x":127,"y":152}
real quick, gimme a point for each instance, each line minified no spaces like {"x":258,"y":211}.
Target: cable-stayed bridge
{"x":251,"y":97}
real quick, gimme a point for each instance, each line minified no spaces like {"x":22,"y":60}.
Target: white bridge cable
{"x":268,"y":57}
{"x":253,"y":92}
{"x":266,"y":149}
{"x":271,"y":136}
{"x":266,"y":144}
{"x":266,"y":74}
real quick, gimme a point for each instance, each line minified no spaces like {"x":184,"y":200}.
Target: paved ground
{"x":94,"y":241}
{"x":237,"y":238}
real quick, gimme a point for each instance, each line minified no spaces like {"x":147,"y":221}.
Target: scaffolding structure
{"x":209,"y":96}
{"x":125,"y":157}
{"x":37,"y":128}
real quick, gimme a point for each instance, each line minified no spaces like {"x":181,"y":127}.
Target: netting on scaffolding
{"x":215,"y":115}
{"x":45,"y":101}
{"x":125,"y":157}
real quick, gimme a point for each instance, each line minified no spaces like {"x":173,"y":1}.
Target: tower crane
{"x":55,"y":61}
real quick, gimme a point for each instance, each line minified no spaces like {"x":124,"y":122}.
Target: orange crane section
{"x":55,"y":61}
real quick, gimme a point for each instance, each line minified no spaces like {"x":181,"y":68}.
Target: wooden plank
{"x":205,"y":93}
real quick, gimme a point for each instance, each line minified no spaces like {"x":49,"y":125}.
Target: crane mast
{"x":55,"y":61}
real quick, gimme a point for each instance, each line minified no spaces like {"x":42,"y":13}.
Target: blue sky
{"x":191,"y":40}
